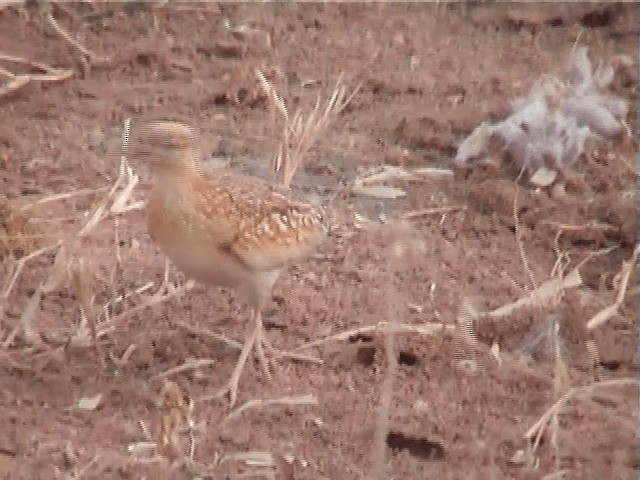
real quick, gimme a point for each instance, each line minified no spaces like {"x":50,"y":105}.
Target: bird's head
{"x":164,"y":145}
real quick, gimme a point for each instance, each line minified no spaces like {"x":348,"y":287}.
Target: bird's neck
{"x":183,"y":176}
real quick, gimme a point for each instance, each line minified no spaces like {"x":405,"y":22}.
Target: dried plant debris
{"x":16,"y":231}
{"x":549,"y":126}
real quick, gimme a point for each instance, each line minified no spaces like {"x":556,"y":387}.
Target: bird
{"x":221,"y":228}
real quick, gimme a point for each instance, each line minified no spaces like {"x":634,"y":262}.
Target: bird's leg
{"x":231,"y":387}
{"x":165,"y":286}
{"x":265,"y":352}
{"x":262,"y":342}
{"x":268,"y":353}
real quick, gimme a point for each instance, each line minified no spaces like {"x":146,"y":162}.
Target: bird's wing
{"x":282,"y":235}
{"x":271,"y":229}
{"x":259,"y":226}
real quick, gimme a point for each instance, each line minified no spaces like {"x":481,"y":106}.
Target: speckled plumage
{"x":222,"y":229}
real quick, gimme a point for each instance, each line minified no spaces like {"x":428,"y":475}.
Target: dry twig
{"x":430,"y":211}
{"x":17,"y":81}
{"x":604,"y":315}
{"x":537,"y":430}
{"x":89,"y":58}
{"x":267,"y":402}
{"x":82,"y":286}
{"x":421,"y":329}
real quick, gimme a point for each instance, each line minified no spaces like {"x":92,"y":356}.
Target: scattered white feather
{"x":549,"y":126}
{"x":588,"y":112}
{"x":475,"y":145}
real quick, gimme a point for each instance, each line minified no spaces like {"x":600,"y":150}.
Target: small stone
{"x":518,"y":459}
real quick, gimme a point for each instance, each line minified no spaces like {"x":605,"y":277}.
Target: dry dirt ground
{"x":467,"y":388}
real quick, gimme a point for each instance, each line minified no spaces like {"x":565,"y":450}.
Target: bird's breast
{"x":191,"y":247}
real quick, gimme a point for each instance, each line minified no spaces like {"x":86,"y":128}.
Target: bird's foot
{"x":266,"y":354}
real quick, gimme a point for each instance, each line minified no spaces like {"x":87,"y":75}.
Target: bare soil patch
{"x":464,"y":394}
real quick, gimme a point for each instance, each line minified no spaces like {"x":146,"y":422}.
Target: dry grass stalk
{"x":155,"y":299}
{"x":176,"y":418}
{"x":201,"y":332}
{"x":88,"y":57}
{"x":590,"y":225}
{"x":82,"y":285}
{"x":299,"y":133}
{"x":550,"y":292}
{"x":558,"y":475}
{"x":15,"y":84}
{"x":69,"y":263}
{"x":189,"y":364}
{"x":534,"y":434}
{"x":381,"y":327}
{"x":10,"y":3}
{"x":62,"y":196}
{"x":414,"y":214}
{"x":561,"y":370}
{"x":268,"y":402}
{"x":594,"y":359}
{"x":256,"y":464}
{"x":365,"y":183}
{"x":465,"y":333}
{"x":562,"y":257}
{"x":379,"y":448}
{"x":403,"y":245}
{"x":52,"y":74}
{"x":24,"y":323}
{"x":20,"y":265}
{"x":174,"y":413}
{"x":516,"y":219}
{"x":604,"y":315}
{"x":17,"y":81}
{"x":115,"y":202}
{"x":546,"y":294}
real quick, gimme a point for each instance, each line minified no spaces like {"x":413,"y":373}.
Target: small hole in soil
{"x":597,"y":18}
{"x":613,"y":365}
{"x":556,"y":22}
{"x":408,"y":359}
{"x":278,"y":300}
{"x":581,"y":242}
{"x":366,"y":355}
{"x":271,"y":321}
{"x":203,"y":51}
{"x":418,"y":447}
{"x":142,"y":367}
{"x":143,"y":59}
{"x":242,"y":94}
{"x":360,"y":338}
{"x":274,"y":325}
{"x":220,"y":100}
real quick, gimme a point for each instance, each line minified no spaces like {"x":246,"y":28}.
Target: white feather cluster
{"x":549,"y":126}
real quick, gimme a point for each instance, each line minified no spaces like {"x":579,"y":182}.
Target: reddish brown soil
{"x":430,"y":74}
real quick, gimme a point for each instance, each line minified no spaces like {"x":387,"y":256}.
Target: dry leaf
{"x":433,"y":172}
{"x":421,"y":406}
{"x":378,"y":191}
{"x":90,"y":403}
{"x":495,"y":351}
{"x":382,"y":174}
{"x":519,"y":458}
{"x":141,"y":448}
{"x":469,"y":367}
{"x":603,"y":316}
{"x":543,"y":177}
